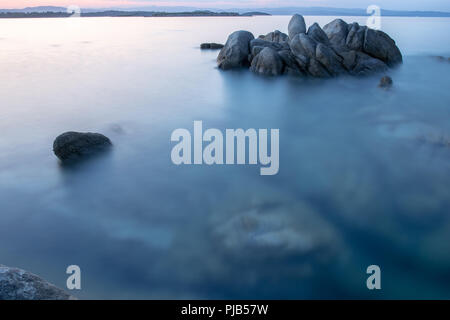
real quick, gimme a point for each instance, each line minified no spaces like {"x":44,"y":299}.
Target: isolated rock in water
{"x":267,"y":63}
{"x":316,"y":33}
{"x":296,"y":26}
{"x":385,"y":82}
{"x":17,"y":284}
{"x":329,"y":59}
{"x":379,"y":45}
{"x":211,"y":46}
{"x":441,"y":58}
{"x":337,"y":31}
{"x":73,"y":145}
{"x":236,"y":51}
{"x":275,"y":36}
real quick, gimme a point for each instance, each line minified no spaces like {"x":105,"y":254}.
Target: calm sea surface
{"x":364,"y":173}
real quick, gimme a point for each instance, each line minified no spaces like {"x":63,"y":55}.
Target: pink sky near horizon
{"x":19,"y":4}
{"x":441,"y":5}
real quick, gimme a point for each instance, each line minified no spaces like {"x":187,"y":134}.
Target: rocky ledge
{"x":18,"y":284}
{"x":339,"y":48}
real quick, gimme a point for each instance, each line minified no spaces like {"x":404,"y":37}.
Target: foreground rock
{"x":337,"y":49}
{"x":211,"y":46}
{"x":75,"y":145}
{"x":17,"y":284}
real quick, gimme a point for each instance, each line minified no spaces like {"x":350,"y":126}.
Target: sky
{"x":439,"y":5}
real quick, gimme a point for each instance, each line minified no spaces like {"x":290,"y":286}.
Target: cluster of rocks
{"x":18,"y":284}
{"x":71,"y":145}
{"x":338,"y":48}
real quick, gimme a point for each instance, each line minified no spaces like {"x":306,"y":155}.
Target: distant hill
{"x":37,"y":9}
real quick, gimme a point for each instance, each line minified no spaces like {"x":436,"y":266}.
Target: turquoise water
{"x":364,"y":173}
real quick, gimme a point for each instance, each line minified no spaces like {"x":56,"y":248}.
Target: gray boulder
{"x":268,"y":62}
{"x":379,"y":45}
{"x":366,"y":65}
{"x":264,"y":43}
{"x":74,"y":145}
{"x":355,"y":37}
{"x":18,"y":284}
{"x":348,"y":59}
{"x":275,"y":36}
{"x":296,"y":26}
{"x":303,"y":46}
{"x":329,"y":59}
{"x":337,"y":31}
{"x":291,"y":65}
{"x":316,"y":69}
{"x":316,"y":33}
{"x":236,"y":51}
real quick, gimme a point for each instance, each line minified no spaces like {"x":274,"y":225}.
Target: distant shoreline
{"x":145,"y":14}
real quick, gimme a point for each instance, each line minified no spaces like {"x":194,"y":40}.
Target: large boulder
{"x":329,"y":59}
{"x":337,"y":31}
{"x":291,"y":65}
{"x":366,"y":65}
{"x":236,"y":51}
{"x":355,"y":37}
{"x":316,"y":33}
{"x":264,"y":43}
{"x":18,"y":284}
{"x":303,"y":46}
{"x":348,"y":59}
{"x":257,"y":45}
{"x":275,"y":36}
{"x":268,"y":62}
{"x":74,"y":145}
{"x":296,"y":26}
{"x":316,"y":69}
{"x":379,"y":45}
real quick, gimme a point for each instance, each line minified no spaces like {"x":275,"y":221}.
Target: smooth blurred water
{"x":364,"y":173}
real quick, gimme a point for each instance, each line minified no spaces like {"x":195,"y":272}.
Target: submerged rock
{"x":236,"y":51}
{"x":18,"y":284}
{"x":72,"y":145}
{"x":211,"y":46}
{"x":385,"y":82}
{"x":338,"y":48}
